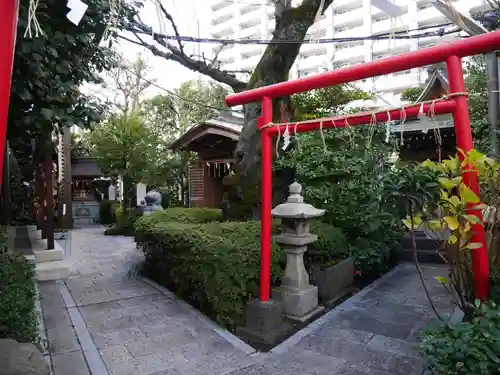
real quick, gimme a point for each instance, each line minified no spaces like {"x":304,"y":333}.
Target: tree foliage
{"x":49,"y":69}
{"x":122,"y":146}
{"x":341,"y":170}
{"x":411,"y":94}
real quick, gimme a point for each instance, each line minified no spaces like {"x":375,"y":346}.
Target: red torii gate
{"x":455,"y":103}
{"x":8,"y":27}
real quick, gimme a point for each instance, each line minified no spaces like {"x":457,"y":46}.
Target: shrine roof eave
{"x":220,"y":127}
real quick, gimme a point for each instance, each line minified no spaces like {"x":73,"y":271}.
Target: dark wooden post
{"x":43,"y":199}
{"x":67,"y":179}
{"x":49,"y":195}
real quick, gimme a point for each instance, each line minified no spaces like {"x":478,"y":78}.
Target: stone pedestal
{"x":299,"y":297}
{"x":264,"y":324}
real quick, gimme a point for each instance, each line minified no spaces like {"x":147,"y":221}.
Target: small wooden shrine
{"x":429,"y":137}
{"x":85,"y":196}
{"x":214,"y":142}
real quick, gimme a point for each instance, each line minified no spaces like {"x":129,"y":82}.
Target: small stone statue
{"x":153,"y":202}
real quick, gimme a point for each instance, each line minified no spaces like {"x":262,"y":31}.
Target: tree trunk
{"x":274,"y":67}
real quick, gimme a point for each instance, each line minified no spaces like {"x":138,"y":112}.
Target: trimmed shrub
{"x":466,"y":348}
{"x":107,"y":210}
{"x":124,"y":223}
{"x":330,"y":247}
{"x":18,"y":318}
{"x":187,"y":215}
{"x":215,"y":266}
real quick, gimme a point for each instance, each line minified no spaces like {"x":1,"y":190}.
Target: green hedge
{"x":18,"y":318}
{"x":215,"y":265}
{"x":107,"y":210}
{"x":124,"y":225}
{"x":185,"y":215}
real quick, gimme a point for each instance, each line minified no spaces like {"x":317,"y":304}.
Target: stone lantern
{"x":300,"y":299}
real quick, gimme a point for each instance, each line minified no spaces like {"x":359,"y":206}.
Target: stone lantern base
{"x":264,"y":324}
{"x":299,"y":304}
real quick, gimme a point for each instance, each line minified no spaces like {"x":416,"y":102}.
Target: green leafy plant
{"x":466,"y":348}
{"x":18,"y":318}
{"x":453,"y":221}
{"x":124,"y":225}
{"x":107,"y":211}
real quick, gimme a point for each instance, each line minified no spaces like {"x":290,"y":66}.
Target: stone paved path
{"x":124,"y":326}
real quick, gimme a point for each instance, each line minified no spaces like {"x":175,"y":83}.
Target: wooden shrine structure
{"x":214,"y":142}
{"x":431,"y":137}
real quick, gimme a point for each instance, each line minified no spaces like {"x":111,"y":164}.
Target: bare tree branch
{"x":175,"y":54}
{"x":169,"y":17}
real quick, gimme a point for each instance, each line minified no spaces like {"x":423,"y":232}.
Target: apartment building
{"x":254,"y":19}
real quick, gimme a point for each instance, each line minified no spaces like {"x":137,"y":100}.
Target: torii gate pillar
{"x":9,"y":10}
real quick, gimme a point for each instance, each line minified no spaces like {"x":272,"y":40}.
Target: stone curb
{"x":89,"y":349}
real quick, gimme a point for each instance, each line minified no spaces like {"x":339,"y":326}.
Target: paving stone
{"x":166,"y":327}
{"x":216,"y":364}
{"x":384,"y":343}
{"x":115,"y":354}
{"x":123,"y":312}
{"x":105,"y":340}
{"x":354,"y":353}
{"x":157,"y":344}
{"x":404,"y":365}
{"x":381,"y":327}
{"x":70,"y":363}
{"x":166,"y":372}
{"x":334,"y":335}
{"x":112,"y":325}
{"x":62,"y":339}
{"x":198,"y":349}
{"x":356,"y":369}
{"x":149,"y":364}
{"x":56,"y":318}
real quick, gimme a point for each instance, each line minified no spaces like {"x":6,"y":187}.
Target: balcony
{"x":430,"y":16}
{"x":221,"y":5}
{"x":350,"y":32}
{"x":396,"y":82}
{"x":347,"y":4}
{"x":381,"y":24}
{"x":250,"y":8}
{"x":222,"y":18}
{"x":348,"y":18}
{"x":395,"y":46}
{"x":350,"y":52}
{"x":248,"y":32}
{"x":250,"y":19}
{"x":225,"y":33}
{"x":429,"y":42}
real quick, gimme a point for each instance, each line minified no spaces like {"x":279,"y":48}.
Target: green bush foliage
{"x":186,"y":215}
{"x":18,"y":318}
{"x":215,"y":266}
{"x":124,"y":223}
{"x":466,"y":348}
{"x":107,"y":211}
{"x":330,"y":247}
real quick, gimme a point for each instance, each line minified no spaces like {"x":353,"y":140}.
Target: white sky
{"x":168,"y":74}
